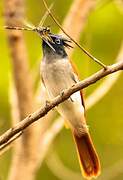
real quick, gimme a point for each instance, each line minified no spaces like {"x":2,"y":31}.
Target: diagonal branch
{"x":76,"y":19}
{"x":59,"y":99}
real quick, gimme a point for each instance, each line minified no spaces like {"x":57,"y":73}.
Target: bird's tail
{"x":88,"y":157}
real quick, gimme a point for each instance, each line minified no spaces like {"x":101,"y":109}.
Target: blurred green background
{"x":102,"y":36}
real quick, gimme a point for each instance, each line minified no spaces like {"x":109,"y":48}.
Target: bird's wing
{"x":75,"y":77}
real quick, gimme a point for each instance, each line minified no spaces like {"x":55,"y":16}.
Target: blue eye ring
{"x":57,"y":41}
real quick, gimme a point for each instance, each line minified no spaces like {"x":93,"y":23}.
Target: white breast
{"x":57,"y":76}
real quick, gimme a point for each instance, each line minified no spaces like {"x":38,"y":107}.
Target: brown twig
{"x":59,"y":99}
{"x":79,"y":11}
{"x":72,"y":39}
{"x":77,"y":15}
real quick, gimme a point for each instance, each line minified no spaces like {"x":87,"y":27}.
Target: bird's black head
{"x":55,"y":45}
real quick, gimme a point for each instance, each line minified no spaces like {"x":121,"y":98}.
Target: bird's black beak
{"x":66,"y":43}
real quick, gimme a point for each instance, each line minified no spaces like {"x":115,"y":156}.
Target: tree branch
{"x":77,"y":15}
{"x":59,"y":99}
{"x":25,"y":151}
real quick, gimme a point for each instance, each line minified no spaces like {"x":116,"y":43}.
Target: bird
{"x":58,"y":74}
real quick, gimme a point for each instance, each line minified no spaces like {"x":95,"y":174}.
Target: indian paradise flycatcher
{"x":58,"y":74}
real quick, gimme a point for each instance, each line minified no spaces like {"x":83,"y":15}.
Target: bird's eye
{"x":57,"y":41}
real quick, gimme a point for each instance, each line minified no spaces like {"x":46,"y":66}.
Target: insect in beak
{"x":46,"y":39}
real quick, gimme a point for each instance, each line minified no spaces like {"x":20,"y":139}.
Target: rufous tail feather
{"x":88,"y":157}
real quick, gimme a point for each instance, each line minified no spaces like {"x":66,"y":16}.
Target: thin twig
{"x":77,"y":15}
{"x":83,"y":49}
{"x":59,"y":99}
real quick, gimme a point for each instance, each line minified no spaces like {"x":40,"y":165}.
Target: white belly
{"x":57,"y":77}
